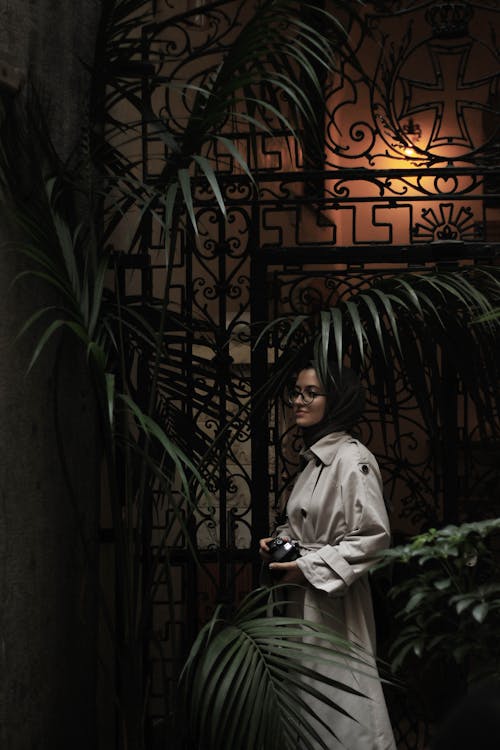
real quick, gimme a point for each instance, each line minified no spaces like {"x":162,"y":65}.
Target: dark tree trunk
{"x":48,"y":530}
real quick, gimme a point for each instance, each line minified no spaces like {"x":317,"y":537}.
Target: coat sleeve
{"x":334,"y":567}
{"x":283,"y":530}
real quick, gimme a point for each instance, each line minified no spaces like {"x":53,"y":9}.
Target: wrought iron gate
{"x":407,"y":180}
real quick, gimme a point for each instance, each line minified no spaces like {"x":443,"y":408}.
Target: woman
{"x":336,"y":513}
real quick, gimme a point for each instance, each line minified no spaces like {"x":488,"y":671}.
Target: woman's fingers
{"x":264,"y":542}
{"x":263,"y":548}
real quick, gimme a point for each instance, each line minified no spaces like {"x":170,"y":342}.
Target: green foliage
{"x":266,"y":79}
{"x":413,"y":320}
{"x":139,"y":456}
{"x":448,"y":600}
{"x":246,"y":678}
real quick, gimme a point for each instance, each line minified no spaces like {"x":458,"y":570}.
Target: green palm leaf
{"x":276,"y":54}
{"x":245,"y":681}
{"x":413,"y":320}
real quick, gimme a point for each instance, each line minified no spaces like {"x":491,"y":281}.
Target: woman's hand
{"x":264,"y":549}
{"x":289,"y":572}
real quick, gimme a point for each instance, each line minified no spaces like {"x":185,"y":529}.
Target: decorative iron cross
{"x":457,"y":95}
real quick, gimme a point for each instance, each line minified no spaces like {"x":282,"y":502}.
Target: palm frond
{"x":273,"y":58}
{"x":246,"y":679}
{"x":414,"y":320}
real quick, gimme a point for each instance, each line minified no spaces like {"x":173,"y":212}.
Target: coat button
{"x":318,"y":462}
{"x":365,"y":469}
{"x":304,"y":513}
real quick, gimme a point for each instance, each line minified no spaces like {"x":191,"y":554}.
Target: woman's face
{"x":307,"y":415}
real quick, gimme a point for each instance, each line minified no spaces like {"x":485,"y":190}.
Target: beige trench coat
{"x":337,"y":514}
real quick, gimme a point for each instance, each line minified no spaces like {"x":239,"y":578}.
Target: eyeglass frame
{"x":294,"y":395}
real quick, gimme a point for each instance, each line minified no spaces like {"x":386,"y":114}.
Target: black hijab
{"x":345,"y":403}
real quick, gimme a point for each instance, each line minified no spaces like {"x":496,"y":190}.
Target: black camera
{"x":282,"y":550}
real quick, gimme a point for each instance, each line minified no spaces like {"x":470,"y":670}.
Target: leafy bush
{"x":447,"y":599}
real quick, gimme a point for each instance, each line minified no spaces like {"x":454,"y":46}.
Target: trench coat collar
{"x":324,"y":449}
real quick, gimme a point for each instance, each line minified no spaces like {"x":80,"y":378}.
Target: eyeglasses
{"x":307,"y":396}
